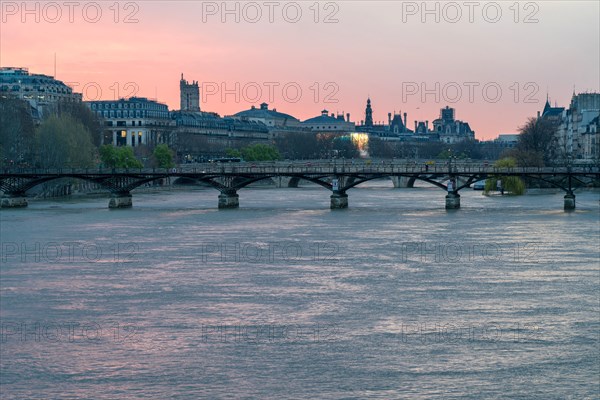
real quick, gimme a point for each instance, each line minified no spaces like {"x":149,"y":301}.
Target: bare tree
{"x":299,"y":145}
{"x":537,"y":140}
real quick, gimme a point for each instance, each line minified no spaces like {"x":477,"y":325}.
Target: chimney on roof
{"x":405,"y":121}
{"x":389,"y":118}
{"x":415,"y":125}
{"x":348,"y":117}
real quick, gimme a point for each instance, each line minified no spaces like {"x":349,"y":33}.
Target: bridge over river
{"x":337,"y":177}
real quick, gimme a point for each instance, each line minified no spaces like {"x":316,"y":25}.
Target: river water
{"x":394,"y":297}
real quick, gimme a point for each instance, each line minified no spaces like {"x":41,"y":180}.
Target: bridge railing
{"x":307,"y":168}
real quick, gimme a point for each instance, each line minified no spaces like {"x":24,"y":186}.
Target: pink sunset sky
{"x":388,"y":50}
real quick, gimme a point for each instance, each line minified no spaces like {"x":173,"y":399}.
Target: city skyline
{"x":384,"y":51}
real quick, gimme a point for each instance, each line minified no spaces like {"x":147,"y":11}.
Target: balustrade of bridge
{"x":308,"y":168}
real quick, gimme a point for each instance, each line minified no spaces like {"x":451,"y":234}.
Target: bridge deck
{"x":308,"y":168}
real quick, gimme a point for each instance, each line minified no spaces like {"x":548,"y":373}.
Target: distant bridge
{"x":337,"y":177}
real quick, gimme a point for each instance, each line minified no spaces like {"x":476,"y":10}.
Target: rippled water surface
{"x":283,"y":298}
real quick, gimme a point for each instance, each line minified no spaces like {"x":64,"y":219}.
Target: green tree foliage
{"x":119,"y":157}
{"x":256,"y":152}
{"x":163,"y":156}
{"x":511,"y":184}
{"x":237,"y":153}
{"x":17,"y":132}
{"x":64,"y":142}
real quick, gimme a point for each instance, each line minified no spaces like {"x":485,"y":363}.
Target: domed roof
{"x":264,"y":112}
{"x":324,"y":118}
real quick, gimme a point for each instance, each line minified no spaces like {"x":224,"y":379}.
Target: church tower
{"x":368,"y":114}
{"x":189,"y":94}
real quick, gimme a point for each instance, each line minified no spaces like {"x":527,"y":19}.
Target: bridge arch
{"x":360,"y":180}
{"x":253,"y":179}
{"x":121,"y":184}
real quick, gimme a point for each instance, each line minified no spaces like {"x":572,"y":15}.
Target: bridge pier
{"x":13,"y":200}
{"x":452,"y":201}
{"x":339,"y":200}
{"x":228,"y":200}
{"x":569,"y":201}
{"x":120,"y":200}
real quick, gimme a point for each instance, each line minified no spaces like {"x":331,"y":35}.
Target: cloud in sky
{"x":378,"y":49}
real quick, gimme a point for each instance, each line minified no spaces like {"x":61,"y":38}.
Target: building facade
{"x":577,"y":133}
{"x":42,"y":92}
{"x":271,"y":118}
{"x":451,"y":130}
{"x":507,"y":140}
{"x":189,"y":95}
{"x":329,"y":123}
{"x":445,"y":129}
{"x":134,"y":122}
{"x":396,"y":128}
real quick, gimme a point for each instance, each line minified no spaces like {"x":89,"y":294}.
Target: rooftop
{"x":264,"y":112}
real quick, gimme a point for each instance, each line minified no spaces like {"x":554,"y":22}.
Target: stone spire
{"x":368,"y":114}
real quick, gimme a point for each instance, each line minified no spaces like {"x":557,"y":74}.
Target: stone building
{"x":451,"y":130}
{"x":271,"y":118}
{"x":42,"y":92}
{"x":134,"y":122}
{"x":396,"y":128}
{"x":329,"y":123}
{"x":577,"y":134}
{"x":199,"y":133}
{"x":189,"y":95}
{"x":507,"y":140}
{"x":204,"y":133}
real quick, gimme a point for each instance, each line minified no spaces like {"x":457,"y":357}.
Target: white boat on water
{"x":479,"y":185}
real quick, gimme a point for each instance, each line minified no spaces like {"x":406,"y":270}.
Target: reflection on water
{"x":283,"y":298}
